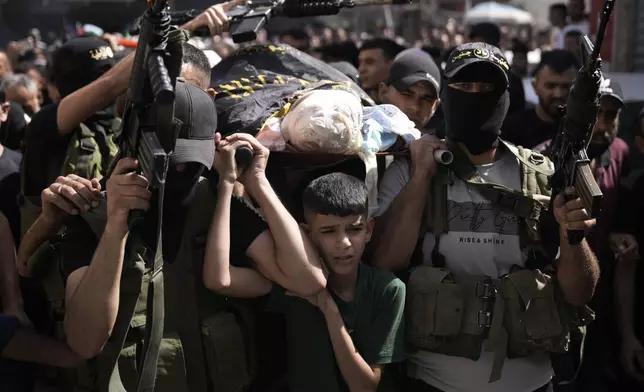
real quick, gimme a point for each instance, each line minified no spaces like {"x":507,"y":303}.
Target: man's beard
{"x":551,"y":106}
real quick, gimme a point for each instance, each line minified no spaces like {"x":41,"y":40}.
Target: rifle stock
{"x":572,"y":166}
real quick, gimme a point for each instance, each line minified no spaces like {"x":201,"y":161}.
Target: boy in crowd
{"x":342,"y":337}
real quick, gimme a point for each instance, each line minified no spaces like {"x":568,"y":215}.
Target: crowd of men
{"x":451,"y":285}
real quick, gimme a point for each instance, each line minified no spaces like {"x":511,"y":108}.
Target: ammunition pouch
{"x":521,"y":314}
{"x":448,"y":317}
{"x":533,"y":317}
{"x":229,"y":349}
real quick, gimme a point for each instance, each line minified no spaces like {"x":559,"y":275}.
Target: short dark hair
{"x":336,"y":194}
{"x":560,"y":7}
{"x":196,"y":57}
{"x":297,"y":34}
{"x":389,"y":47}
{"x":488,"y":31}
{"x":559,"y":60}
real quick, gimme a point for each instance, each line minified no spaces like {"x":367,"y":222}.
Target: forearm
{"x":398,"y":229}
{"x":218,"y":274}
{"x":625,"y":295}
{"x":28,"y":346}
{"x":577,"y":272}
{"x":91,"y":311}
{"x":295,"y":254}
{"x":216,"y":267}
{"x":83,"y":103}
{"x":9,"y":284}
{"x":38,"y":233}
{"x":357,"y":374}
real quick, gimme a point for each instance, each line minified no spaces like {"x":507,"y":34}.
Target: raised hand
{"x":69,"y":196}
{"x":126,"y":191}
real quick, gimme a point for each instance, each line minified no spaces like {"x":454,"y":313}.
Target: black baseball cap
{"x":347,"y":69}
{"x":196,"y":109}
{"x":412,"y":66}
{"x":476,"y":52}
{"x":610,"y":88}
{"x":79,"y":62}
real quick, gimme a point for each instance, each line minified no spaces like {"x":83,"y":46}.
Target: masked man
{"x":477,"y":243}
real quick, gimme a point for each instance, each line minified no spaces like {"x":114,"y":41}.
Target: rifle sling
{"x":154,"y":312}
{"x":526,"y":162}
{"x":509,"y":200}
{"x":154,"y":319}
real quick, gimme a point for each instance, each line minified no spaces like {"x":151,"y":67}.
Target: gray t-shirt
{"x":482,"y":240}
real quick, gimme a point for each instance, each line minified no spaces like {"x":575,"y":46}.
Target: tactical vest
{"x":207,"y":343}
{"x":89,"y":154}
{"x":516,"y":315}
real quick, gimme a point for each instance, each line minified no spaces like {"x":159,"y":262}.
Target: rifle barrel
{"x":601,"y":31}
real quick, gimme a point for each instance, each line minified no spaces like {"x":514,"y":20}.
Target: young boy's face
{"x":340,"y":240}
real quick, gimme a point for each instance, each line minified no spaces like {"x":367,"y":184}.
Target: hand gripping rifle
{"x":248,"y":19}
{"x":568,"y":150}
{"x":148,"y":134}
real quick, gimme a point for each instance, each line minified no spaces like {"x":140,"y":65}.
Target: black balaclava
{"x":178,"y":194}
{"x":475,"y":119}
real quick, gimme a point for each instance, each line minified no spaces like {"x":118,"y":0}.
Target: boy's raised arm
{"x":218,"y":274}
{"x":286,"y":254}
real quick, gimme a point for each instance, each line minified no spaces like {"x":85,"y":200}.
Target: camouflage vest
{"x":89,"y":154}
{"x":207,"y":343}
{"x":516,"y":315}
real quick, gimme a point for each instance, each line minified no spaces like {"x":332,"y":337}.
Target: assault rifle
{"x":248,"y":19}
{"x":148,"y":133}
{"x":568,"y":150}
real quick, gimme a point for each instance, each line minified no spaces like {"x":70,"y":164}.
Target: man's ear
{"x":371,"y":223}
{"x":4,"y":111}
{"x":305,"y":227}
{"x":534,"y":85}
{"x":435,"y":106}
{"x":211,"y":91}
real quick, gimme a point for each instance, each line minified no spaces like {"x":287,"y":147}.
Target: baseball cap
{"x":413,"y":66}
{"x":79,"y":62}
{"x":196,"y":109}
{"x":347,"y":69}
{"x":475,"y":52}
{"x":610,"y":88}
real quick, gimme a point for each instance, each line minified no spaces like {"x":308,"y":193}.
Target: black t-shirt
{"x":628,"y":220}
{"x":527,"y":129}
{"x":79,"y":242}
{"x":12,"y":131}
{"x":45,"y":151}
{"x":10,"y":189}
{"x":517,"y":94}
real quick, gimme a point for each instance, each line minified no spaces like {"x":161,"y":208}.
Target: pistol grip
{"x":135,"y":219}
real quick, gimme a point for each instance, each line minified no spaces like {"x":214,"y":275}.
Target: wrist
{"x":256,"y":183}
{"x":420,"y":178}
{"x":116,"y":228}
{"x":330,"y":308}
{"x":226,"y":183}
{"x":49,"y":222}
